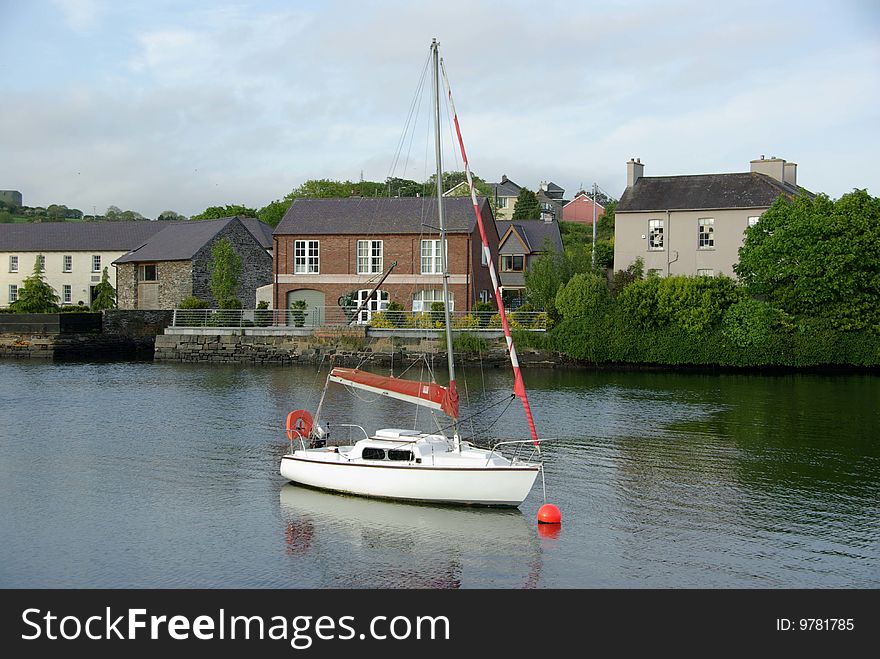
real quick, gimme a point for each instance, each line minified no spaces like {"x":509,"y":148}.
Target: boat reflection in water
{"x":372,"y":543}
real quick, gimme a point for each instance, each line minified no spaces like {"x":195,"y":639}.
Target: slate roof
{"x":506,"y":188}
{"x":181,"y":241}
{"x":704,"y":191}
{"x":260,"y":230}
{"x":554,"y":191}
{"x":533,"y":232}
{"x":376,"y":215}
{"x":77,"y":236}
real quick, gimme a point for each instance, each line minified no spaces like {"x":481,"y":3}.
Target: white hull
{"x":488,"y":486}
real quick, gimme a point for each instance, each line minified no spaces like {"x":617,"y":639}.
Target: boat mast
{"x":443,"y":264}
{"x":519,"y":387}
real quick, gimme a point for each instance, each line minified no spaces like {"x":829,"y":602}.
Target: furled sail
{"x":427,"y":394}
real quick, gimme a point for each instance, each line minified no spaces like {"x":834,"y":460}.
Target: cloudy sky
{"x":160,"y":105}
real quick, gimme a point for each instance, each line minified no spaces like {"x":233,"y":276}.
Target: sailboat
{"x":410,"y":465}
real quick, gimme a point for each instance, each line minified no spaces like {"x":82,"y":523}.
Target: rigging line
{"x":414,"y":107}
{"x":519,"y":387}
{"x":507,"y":399}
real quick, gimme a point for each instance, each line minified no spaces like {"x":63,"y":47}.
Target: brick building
{"x":328,"y":248}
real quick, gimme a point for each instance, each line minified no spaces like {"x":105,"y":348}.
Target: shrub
{"x":193,"y":303}
{"x":298,"y":313}
{"x":381,"y":320}
{"x":262,"y":314}
{"x":395,"y":314}
{"x":468,"y":321}
{"x":471,"y":343}
{"x":437,"y":309}
{"x":483,"y":312}
{"x":749,"y":322}
{"x":584,"y":296}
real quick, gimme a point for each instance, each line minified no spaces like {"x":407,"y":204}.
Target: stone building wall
{"x":175,"y":282}
{"x":256,"y":265}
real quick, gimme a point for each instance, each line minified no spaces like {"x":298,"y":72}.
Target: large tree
{"x":817,"y":257}
{"x":217,"y":212}
{"x":169,"y":216}
{"x":526,"y":206}
{"x":224,"y":269}
{"x":35,"y":295}
{"x":273,"y":212}
{"x":105,"y":294}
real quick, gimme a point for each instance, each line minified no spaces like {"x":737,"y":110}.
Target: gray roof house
{"x":73,"y":254}
{"x":521,"y":242}
{"x":505,"y":194}
{"x":695,"y":224}
{"x":173,"y":264}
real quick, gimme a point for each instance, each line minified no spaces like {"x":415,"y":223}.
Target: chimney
{"x":789,"y":173}
{"x":773,"y":167}
{"x":504,"y":178}
{"x":634,"y":171}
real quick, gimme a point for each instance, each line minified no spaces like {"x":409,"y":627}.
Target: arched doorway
{"x":314,"y":312}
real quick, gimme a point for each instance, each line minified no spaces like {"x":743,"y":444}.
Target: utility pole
{"x":595,"y":194}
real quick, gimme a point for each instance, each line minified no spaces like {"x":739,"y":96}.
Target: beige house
{"x":74,"y":255}
{"x":694,"y":225}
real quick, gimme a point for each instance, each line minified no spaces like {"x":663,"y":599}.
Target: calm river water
{"x":151,"y":475}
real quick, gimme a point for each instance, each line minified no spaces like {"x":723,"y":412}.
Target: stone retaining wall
{"x":73,"y":346}
{"x":345,"y":350}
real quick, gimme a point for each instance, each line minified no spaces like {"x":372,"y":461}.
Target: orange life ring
{"x":299,"y":424}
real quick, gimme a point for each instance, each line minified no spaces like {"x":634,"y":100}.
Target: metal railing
{"x":335,"y":316}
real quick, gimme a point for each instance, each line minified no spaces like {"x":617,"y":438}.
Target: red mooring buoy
{"x":549,"y":514}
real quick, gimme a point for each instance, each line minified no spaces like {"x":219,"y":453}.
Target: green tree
{"x":526,"y":206}
{"x":585,"y":296}
{"x":224,"y":269}
{"x":217,"y":212}
{"x":817,"y":258}
{"x":35,"y":295}
{"x":105,"y":294}
{"x":273,"y":212}
{"x":170,"y":216}
{"x":402,"y":187}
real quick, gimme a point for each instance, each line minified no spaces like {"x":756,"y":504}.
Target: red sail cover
{"x":428,"y":394}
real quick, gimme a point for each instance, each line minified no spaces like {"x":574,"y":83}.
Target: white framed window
{"x":13,"y":263}
{"x":655,"y":234}
{"x":41,"y":259}
{"x":66,"y":294}
{"x":753,"y":220}
{"x":706,"y":233}
{"x":306,"y":257}
{"x":96,"y":263}
{"x":13,"y":293}
{"x":431,"y":258}
{"x":654,"y":272}
{"x":705,"y":272}
{"x":378,"y":302}
{"x":512,"y":262}
{"x":502,"y":202}
{"x":484,"y":261}
{"x":369,"y":256}
{"x":422,"y":300}
{"x":484,"y":295}
{"x":67,"y":263}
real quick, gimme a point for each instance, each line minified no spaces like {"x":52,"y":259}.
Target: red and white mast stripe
{"x":519,"y":387}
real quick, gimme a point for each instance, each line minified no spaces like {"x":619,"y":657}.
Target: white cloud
{"x":80,"y":15}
